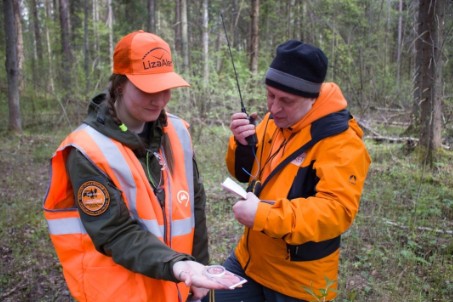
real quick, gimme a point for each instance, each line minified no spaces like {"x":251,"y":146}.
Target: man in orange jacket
{"x":306,"y":174}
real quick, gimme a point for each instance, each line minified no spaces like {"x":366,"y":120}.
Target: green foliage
{"x":401,"y":231}
{"x":320,"y":294}
{"x":134,"y":13}
{"x":359,"y":38}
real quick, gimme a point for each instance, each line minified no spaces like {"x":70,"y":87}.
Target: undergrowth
{"x":399,"y":248}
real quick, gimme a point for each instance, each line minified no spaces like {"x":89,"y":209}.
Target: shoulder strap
{"x":284,"y":163}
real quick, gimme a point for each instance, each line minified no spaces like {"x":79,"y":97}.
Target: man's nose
{"x":275,"y":107}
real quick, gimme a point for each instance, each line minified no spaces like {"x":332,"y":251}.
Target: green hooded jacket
{"x":114,"y":233}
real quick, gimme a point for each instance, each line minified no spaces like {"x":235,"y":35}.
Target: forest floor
{"x":29,"y":268}
{"x":400,"y":248}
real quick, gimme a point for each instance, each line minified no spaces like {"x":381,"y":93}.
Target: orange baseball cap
{"x":146,"y":61}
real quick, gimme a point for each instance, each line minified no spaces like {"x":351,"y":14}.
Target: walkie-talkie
{"x":252,"y":140}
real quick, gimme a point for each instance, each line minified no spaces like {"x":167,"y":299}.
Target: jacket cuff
{"x":182,"y":257}
{"x":262,"y":212}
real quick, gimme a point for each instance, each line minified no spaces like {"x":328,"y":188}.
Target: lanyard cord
{"x":271,"y":156}
{"x":258,"y":162}
{"x":260,"y":169}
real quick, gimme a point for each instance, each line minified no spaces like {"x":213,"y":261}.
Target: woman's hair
{"x":115,"y":86}
{"x":114,"y":93}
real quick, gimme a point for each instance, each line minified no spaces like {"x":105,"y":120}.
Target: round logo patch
{"x":93,"y":198}
{"x":183,"y":197}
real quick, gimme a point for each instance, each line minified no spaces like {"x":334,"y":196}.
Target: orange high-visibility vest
{"x":92,"y":276}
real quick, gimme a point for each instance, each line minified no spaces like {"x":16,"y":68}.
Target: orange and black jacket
{"x":116,"y":231}
{"x":310,"y":178}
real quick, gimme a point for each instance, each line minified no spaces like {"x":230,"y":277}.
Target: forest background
{"x":392,"y":59}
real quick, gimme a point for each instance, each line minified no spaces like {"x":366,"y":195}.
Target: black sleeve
{"x":243,"y":162}
{"x":114,"y":232}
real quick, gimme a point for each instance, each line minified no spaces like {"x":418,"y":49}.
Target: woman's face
{"x":137,"y":107}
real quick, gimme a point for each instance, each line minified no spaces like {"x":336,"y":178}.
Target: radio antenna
{"x":234,"y":67}
{"x":252,"y":139}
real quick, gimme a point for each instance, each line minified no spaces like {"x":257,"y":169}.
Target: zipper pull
{"x":160,"y":159}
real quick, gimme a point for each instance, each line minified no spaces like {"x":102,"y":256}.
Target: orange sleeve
{"x":341,"y":164}
{"x":230,"y":155}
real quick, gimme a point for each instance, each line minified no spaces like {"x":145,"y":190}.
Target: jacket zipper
{"x":248,"y":251}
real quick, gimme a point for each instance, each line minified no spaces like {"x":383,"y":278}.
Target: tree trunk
{"x":86,"y":50}
{"x":67,"y":56}
{"x":37,"y":63}
{"x":205,"y":42}
{"x":237,"y":8}
{"x":36,"y":31}
{"x":184,"y":36}
{"x":428,"y":84}
{"x":178,"y":30}
{"x":95,"y":40}
{"x":19,"y":41}
{"x":110,"y":26}
{"x":254,"y":36}
{"x":151,"y":26}
{"x":50,"y":81}
{"x":399,"y":44}
{"x":11,"y":66}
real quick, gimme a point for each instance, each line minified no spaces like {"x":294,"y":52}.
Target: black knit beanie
{"x":298,"y":68}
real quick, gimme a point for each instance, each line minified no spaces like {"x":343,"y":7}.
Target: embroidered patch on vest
{"x":93,"y":198}
{"x":183,"y":197}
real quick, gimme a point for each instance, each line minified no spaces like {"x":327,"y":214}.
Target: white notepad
{"x":234,"y":187}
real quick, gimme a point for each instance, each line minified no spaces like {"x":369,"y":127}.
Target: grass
{"x":29,"y":270}
{"x":399,"y":248}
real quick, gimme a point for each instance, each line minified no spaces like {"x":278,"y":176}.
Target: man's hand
{"x":241,"y":128}
{"x":245,"y":210}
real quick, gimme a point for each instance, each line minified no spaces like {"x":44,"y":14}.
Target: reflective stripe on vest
{"x":64,"y":226}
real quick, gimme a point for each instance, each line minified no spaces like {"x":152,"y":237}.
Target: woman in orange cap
{"x":125,"y":205}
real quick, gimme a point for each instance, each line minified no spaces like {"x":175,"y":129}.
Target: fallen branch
{"x":390,"y":109}
{"x":368,"y":129}
{"x":381,"y":139}
{"x":428,"y":229}
{"x":375,"y":136}
{"x":394,"y":123}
